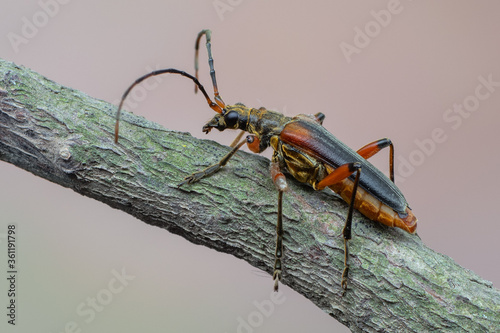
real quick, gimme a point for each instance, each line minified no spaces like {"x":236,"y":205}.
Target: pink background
{"x":286,"y":56}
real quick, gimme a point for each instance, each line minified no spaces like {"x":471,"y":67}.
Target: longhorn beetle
{"x":307,"y":151}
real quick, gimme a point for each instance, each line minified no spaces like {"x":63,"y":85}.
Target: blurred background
{"x":425,"y":74}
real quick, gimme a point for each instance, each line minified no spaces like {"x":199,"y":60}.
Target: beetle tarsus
{"x":193,"y":178}
{"x":277,"y":274}
{"x":343,"y":282}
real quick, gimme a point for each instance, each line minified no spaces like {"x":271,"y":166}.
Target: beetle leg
{"x":250,"y":140}
{"x":319,"y":117}
{"x":193,"y":178}
{"x":279,"y":181}
{"x":253,"y":144}
{"x":279,"y":243}
{"x":341,"y":173}
{"x":237,"y":139}
{"x":347,"y":232}
{"x":372,"y":148}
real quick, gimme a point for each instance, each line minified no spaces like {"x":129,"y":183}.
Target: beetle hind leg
{"x":372,"y":148}
{"x":279,"y":244}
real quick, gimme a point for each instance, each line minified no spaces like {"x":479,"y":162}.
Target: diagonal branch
{"x":397,"y":283}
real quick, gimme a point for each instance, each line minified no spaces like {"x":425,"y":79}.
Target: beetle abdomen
{"x":374,"y":209}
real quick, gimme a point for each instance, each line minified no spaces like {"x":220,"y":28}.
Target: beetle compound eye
{"x":231,"y":118}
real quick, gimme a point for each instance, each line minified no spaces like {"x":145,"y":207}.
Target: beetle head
{"x":230,"y":118}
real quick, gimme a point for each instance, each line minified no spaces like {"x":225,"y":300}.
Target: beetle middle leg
{"x":341,"y":173}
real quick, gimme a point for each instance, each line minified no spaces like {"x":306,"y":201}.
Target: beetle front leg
{"x":237,"y":139}
{"x":279,"y":181}
{"x":251,"y":140}
{"x":193,"y":178}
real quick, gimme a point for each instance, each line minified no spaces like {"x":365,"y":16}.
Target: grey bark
{"x":397,"y":284}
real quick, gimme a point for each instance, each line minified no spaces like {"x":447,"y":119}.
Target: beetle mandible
{"x":306,"y":150}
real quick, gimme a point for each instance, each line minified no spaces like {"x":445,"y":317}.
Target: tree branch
{"x":396,"y":283}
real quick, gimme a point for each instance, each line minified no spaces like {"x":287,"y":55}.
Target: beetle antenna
{"x":208,"y":36}
{"x":213,"y":105}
